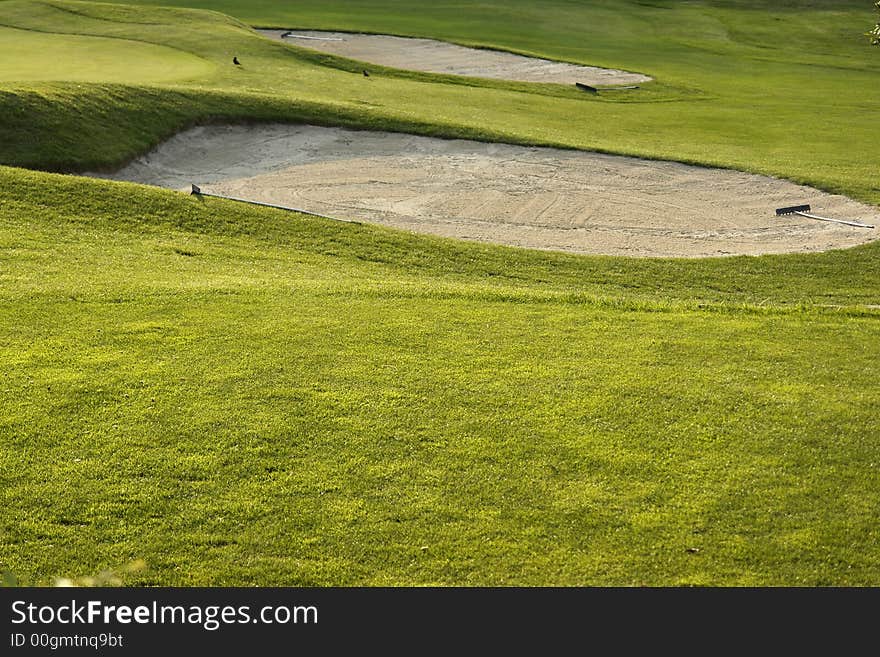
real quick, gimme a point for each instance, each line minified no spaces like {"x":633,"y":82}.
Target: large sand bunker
{"x":433,"y":56}
{"x":539,"y":198}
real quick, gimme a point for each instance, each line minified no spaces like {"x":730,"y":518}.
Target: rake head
{"x":792,"y":209}
{"x":196,"y":190}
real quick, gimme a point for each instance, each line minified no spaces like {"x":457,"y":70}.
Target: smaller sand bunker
{"x":430,"y":56}
{"x":539,"y":198}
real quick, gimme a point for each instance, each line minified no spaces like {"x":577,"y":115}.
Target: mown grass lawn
{"x":245,"y":396}
{"x":78,"y":58}
{"x":239,"y":396}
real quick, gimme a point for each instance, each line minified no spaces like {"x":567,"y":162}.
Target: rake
{"x":804,"y":211}
{"x":595,"y":90}
{"x":197,"y":191}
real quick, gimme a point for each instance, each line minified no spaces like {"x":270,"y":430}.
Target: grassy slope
{"x":803,"y":109}
{"x":240,"y":396}
{"x":91,"y":59}
{"x":245,"y":396}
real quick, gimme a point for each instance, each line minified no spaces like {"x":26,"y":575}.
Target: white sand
{"x":537,"y":198}
{"x":440,"y":57}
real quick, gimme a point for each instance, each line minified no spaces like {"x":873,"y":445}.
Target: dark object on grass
{"x":804,"y":211}
{"x":235,"y":61}
{"x":586,"y":87}
{"x":366,"y":73}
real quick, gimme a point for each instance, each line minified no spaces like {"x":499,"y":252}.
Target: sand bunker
{"x":440,"y":57}
{"x":539,"y":198}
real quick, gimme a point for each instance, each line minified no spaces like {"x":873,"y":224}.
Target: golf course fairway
{"x":200,"y":392}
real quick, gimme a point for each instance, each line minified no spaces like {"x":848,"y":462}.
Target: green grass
{"x":74,"y":58}
{"x":238,"y":395}
{"x":803,"y":109}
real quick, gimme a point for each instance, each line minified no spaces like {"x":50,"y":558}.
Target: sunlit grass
{"x":238,"y":395}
